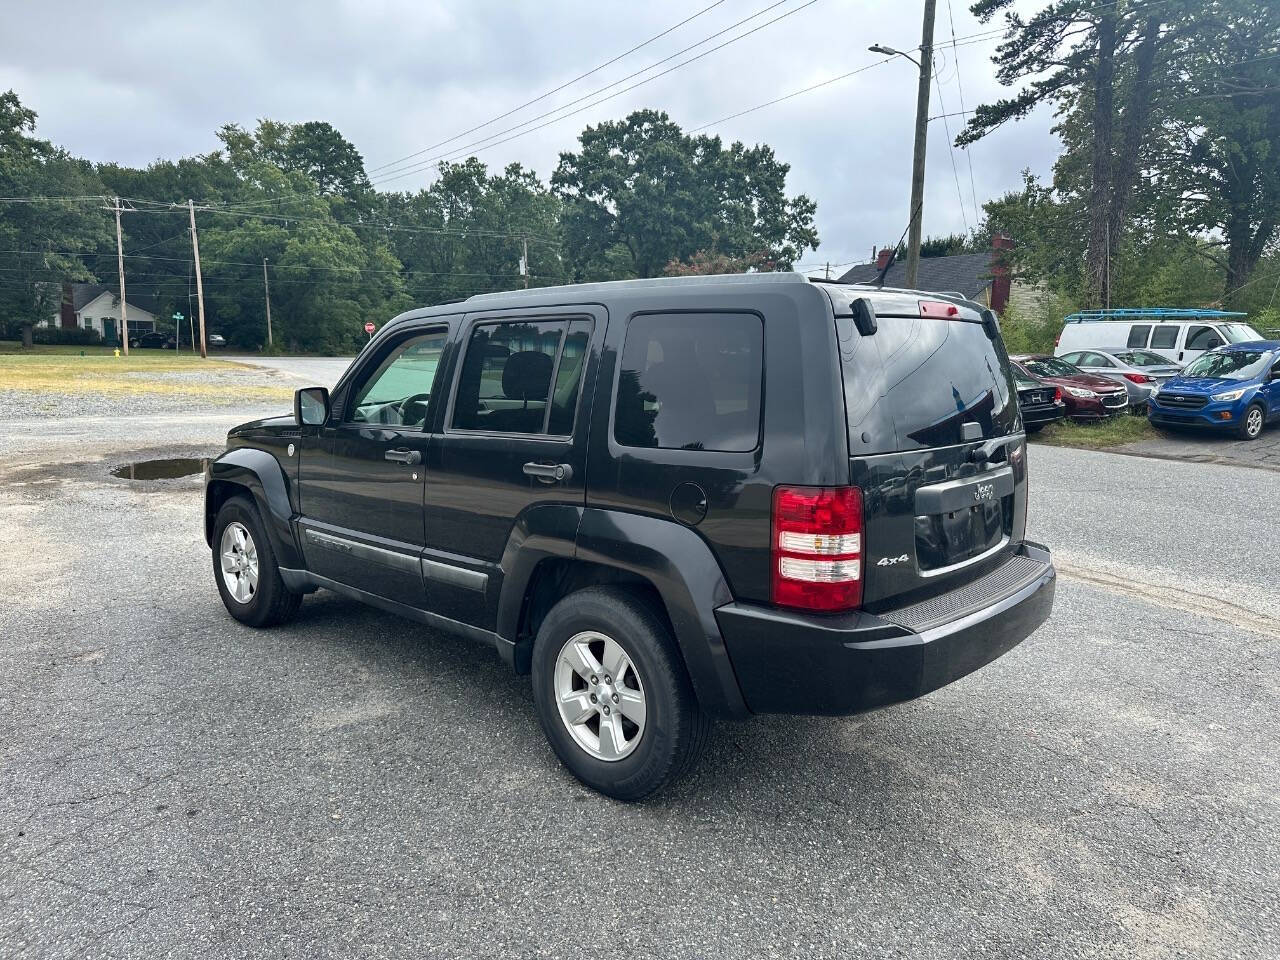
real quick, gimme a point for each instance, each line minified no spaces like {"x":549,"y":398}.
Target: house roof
{"x":966,"y":273}
{"x":83,"y":294}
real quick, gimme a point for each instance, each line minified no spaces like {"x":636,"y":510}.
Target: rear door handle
{"x":407,"y":457}
{"x":549,"y":472}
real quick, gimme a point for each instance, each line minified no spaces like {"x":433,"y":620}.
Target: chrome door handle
{"x":549,"y":472}
{"x":407,"y":457}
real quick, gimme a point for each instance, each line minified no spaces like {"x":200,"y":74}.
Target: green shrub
{"x":69,"y":336}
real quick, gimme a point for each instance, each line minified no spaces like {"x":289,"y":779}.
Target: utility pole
{"x":124,"y":308}
{"x":922,"y":134}
{"x":828,"y":269}
{"x":524,"y":260}
{"x":925,"y":63}
{"x":195,"y":248}
{"x":266,"y":286}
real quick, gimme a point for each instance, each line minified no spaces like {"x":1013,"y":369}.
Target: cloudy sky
{"x":132,"y":82}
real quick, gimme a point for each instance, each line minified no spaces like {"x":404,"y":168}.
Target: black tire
{"x":675,"y":728}
{"x":271,"y":603}
{"x":1252,"y":423}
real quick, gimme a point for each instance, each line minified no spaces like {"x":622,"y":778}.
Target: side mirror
{"x":311,"y":406}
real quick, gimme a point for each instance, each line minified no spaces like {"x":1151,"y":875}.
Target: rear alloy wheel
{"x":245,"y":569}
{"x":1253,"y":422}
{"x":612,"y":693}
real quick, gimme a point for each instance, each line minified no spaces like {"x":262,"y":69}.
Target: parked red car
{"x":1087,"y":396}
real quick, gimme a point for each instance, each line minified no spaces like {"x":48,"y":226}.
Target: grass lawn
{"x":1096,"y":436}
{"x":43,"y":350}
{"x":64,"y":371}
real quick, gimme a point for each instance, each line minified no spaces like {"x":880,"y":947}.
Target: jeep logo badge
{"x":984,"y":491}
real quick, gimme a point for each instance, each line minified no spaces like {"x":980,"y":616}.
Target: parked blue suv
{"x":1235,"y":387}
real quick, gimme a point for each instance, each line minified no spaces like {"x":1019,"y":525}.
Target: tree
{"x":315,"y":149}
{"x":1223,"y":162}
{"x":640,"y":193}
{"x":705,"y":263}
{"x":1099,"y":61}
{"x":47,"y":235}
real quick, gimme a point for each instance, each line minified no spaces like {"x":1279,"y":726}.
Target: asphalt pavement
{"x":354,"y":785}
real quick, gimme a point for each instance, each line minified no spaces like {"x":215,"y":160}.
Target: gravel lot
{"x":355,"y":785}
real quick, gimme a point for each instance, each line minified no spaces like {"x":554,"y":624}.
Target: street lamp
{"x":925,"y":63}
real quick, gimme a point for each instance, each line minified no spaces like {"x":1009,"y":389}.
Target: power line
{"x":951,"y":149}
{"x":476,"y":146}
{"x":529,"y":103}
{"x":973,"y":189}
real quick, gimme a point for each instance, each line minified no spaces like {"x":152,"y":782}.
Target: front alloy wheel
{"x":1253,"y":423}
{"x":239,"y":562}
{"x":600,"y":696}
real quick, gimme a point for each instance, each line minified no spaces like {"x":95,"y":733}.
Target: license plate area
{"x":959,"y":520}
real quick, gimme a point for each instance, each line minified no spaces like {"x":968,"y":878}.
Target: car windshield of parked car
{"x":1052,"y":367}
{"x":1142,"y":358}
{"x":1230,"y":365}
{"x":1239,"y":332}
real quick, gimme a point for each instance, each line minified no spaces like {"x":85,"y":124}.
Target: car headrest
{"x":527,"y":375}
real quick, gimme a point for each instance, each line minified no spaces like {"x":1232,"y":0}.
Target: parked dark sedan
{"x":155,"y":341}
{"x":1087,"y":396}
{"x":1040,"y":402}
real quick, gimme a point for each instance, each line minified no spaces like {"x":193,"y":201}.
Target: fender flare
{"x":261,"y":474}
{"x":684,"y":571}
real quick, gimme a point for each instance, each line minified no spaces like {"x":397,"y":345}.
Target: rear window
{"x":1165,"y":337}
{"x":691,"y":382}
{"x":918,"y":381}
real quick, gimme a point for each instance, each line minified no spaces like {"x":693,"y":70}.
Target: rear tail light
{"x":938,"y":308}
{"x":1138,"y":377}
{"x":817,"y":547}
{"x":1057,"y":394}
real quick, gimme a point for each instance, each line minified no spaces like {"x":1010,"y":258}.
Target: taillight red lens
{"x":1057,"y":394}
{"x":817,"y":547}
{"x":1137,"y":377}
{"x":938,"y":308}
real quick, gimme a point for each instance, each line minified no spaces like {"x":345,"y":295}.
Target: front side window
{"x":398,"y":390}
{"x":691,"y":382}
{"x":522,"y":377}
{"x":1165,"y":337}
{"x":1138,"y":334}
{"x":1202,"y":338}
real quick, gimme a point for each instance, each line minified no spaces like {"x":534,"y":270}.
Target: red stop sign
{"x":369,"y":328}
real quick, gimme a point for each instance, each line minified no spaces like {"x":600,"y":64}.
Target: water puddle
{"x":161,"y":469}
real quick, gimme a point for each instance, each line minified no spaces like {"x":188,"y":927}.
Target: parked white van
{"x":1177,"y":334}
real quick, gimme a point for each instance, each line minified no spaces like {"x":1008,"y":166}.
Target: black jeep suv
{"x":668,"y":500}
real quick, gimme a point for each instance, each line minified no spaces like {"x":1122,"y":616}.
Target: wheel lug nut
{"x":615,"y":698}
{"x":606,"y":679}
{"x":606,"y":710}
{"x":594,"y":678}
{"x":593,"y":698}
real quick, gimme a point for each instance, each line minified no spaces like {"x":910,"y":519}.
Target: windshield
{"x":1239,"y":332}
{"x":1142,"y":358}
{"x":1051,"y":367}
{"x":1231,"y":365}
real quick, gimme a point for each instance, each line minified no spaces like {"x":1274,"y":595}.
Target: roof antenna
{"x":893,"y":255}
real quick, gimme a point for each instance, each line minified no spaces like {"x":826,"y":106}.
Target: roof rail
{"x":1152,"y":313}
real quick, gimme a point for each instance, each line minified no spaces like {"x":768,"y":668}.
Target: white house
{"x":92,"y":306}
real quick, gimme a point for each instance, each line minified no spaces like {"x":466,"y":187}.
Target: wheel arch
{"x":258,"y":475}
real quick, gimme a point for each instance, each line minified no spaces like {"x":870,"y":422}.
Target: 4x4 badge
{"x":890,"y":561}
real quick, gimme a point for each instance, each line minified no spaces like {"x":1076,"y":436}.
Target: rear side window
{"x":691,"y":382}
{"x":508,"y":372}
{"x":1202,"y":338}
{"x":1138,"y":334}
{"x":1165,"y":337}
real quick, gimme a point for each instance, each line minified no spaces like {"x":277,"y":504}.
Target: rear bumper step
{"x":790,"y":662}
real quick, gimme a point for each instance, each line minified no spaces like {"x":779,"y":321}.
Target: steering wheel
{"x":408,"y":414}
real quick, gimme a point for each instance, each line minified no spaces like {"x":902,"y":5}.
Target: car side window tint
{"x":398,"y":390}
{"x":1073,"y":358}
{"x":691,"y":382}
{"x":1098,"y":360}
{"x":506,"y":376}
{"x":1165,"y":337}
{"x":1138,"y":334}
{"x":573,"y":361}
{"x":1203,"y":338}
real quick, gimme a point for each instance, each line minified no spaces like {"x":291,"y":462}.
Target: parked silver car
{"x":1141,"y":371}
